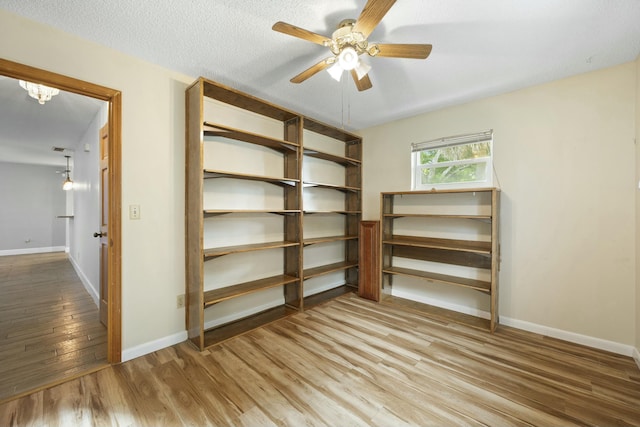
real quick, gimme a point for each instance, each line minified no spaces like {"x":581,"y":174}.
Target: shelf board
{"x":210,"y":173}
{"x":330,"y":131}
{"x":330,"y":186}
{"x":218,"y":295}
{"x":478,"y":285}
{"x":434,"y":243}
{"x":224,"y":332}
{"x":327,"y":239}
{"x":341,"y":160}
{"x":244,"y":101}
{"x":226,"y":250}
{"x":214,"y":212}
{"x":326,"y":269}
{"x":333,"y":212}
{"x":401,"y":215}
{"x":441,"y":191}
{"x":437,"y":313}
{"x":214,"y":129}
{"x":322,"y":297}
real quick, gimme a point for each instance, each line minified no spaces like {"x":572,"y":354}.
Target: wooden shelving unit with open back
{"x":447,"y":238}
{"x":332,"y":177}
{"x":244,"y":212}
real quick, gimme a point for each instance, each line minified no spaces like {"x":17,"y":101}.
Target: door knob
{"x":99,"y":234}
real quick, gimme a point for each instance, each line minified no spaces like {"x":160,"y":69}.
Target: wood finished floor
{"x":351,"y":362}
{"x":49,"y":325}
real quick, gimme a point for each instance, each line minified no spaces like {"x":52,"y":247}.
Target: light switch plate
{"x":134,"y":211}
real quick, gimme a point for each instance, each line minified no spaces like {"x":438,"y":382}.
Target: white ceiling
{"x":29,"y":131}
{"x":480,"y":48}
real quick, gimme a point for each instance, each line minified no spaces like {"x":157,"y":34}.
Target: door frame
{"x":114,"y":98}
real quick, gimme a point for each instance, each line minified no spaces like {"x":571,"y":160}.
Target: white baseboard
{"x":636,"y":356}
{"x":151,"y":346}
{"x":86,"y":282}
{"x":442,"y":304}
{"x":589,"y":341}
{"x":601,"y":344}
{"x":30,"y":251}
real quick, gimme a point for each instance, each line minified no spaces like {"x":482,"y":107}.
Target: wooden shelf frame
{"x":344,"y":188}
{"x":478,"y":254}
{"x":211,"y":253}
{"x":199,"y":134}
{"x":341,"y":160}
{"x":215,"y":174}
{"x":213,"y":129}
{"x":328,"y":239}
{"x":478,"y":285}
{"x":222,"y":294}
{"x":351,"y":161}
{"x":327,"y":212}
{"x":436,"y":216}
{"x":310,"y":273}
{"x":215,"y":212}
{"x":474,"y":246}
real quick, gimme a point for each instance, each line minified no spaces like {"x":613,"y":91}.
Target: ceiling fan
{"x":349,"y":41}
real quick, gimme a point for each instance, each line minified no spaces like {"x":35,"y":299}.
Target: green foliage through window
{"x":458,"y":161}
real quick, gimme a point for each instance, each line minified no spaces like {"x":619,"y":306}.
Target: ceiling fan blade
{"x":416,"y":51}
{"x":301,"y":33}
{"x":371,"y":15}
{"x":362,"y":84}
{"x":311,"y":71}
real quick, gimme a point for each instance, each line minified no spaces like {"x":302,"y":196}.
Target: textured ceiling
{"x":480,"y":48}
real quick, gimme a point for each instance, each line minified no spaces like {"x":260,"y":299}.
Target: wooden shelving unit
{"x":430,"y":215}
{"x":333,"y":147}
{"x":226,"y":129}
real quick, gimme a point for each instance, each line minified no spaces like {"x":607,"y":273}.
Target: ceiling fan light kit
{"x":349,"y":41}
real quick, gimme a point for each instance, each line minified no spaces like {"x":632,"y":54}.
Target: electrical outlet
{"x":180,"y":301}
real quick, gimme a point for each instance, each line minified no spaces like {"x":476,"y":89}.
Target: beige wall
{"x":638,"y":210}
{"x":564,"y":158}
{"x":152,"y":166}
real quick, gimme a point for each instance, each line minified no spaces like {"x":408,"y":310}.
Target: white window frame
{"x":451,"y":141}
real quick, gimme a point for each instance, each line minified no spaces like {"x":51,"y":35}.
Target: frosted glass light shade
{"x":40,"y":92}
{"x":348,"y":58}
{"x":335,"y":71}
{"x":67,"y":185}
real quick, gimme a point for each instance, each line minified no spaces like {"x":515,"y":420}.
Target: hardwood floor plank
{"x":49,"y":325}
{"x":24,"y":412}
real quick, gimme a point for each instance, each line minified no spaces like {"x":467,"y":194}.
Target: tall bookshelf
{"x":332,"y":177}
{"x":244,"y":215}
{"x":444,"y":237}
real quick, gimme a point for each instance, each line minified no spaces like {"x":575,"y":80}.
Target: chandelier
{"x":40,"y":92}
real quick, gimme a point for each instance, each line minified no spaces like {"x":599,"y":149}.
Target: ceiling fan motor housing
{"x":345,"y":36}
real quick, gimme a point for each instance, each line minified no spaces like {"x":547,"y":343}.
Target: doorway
{"x":113,"y":98}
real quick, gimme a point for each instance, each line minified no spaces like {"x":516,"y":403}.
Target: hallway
{"x":49,"y":327}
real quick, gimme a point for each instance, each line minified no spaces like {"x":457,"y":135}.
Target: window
{"x":461,"y":161}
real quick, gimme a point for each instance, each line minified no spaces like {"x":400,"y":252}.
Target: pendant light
{"x":68,"y":184}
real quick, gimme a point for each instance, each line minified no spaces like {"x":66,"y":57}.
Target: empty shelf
{"x":218,"y":295}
